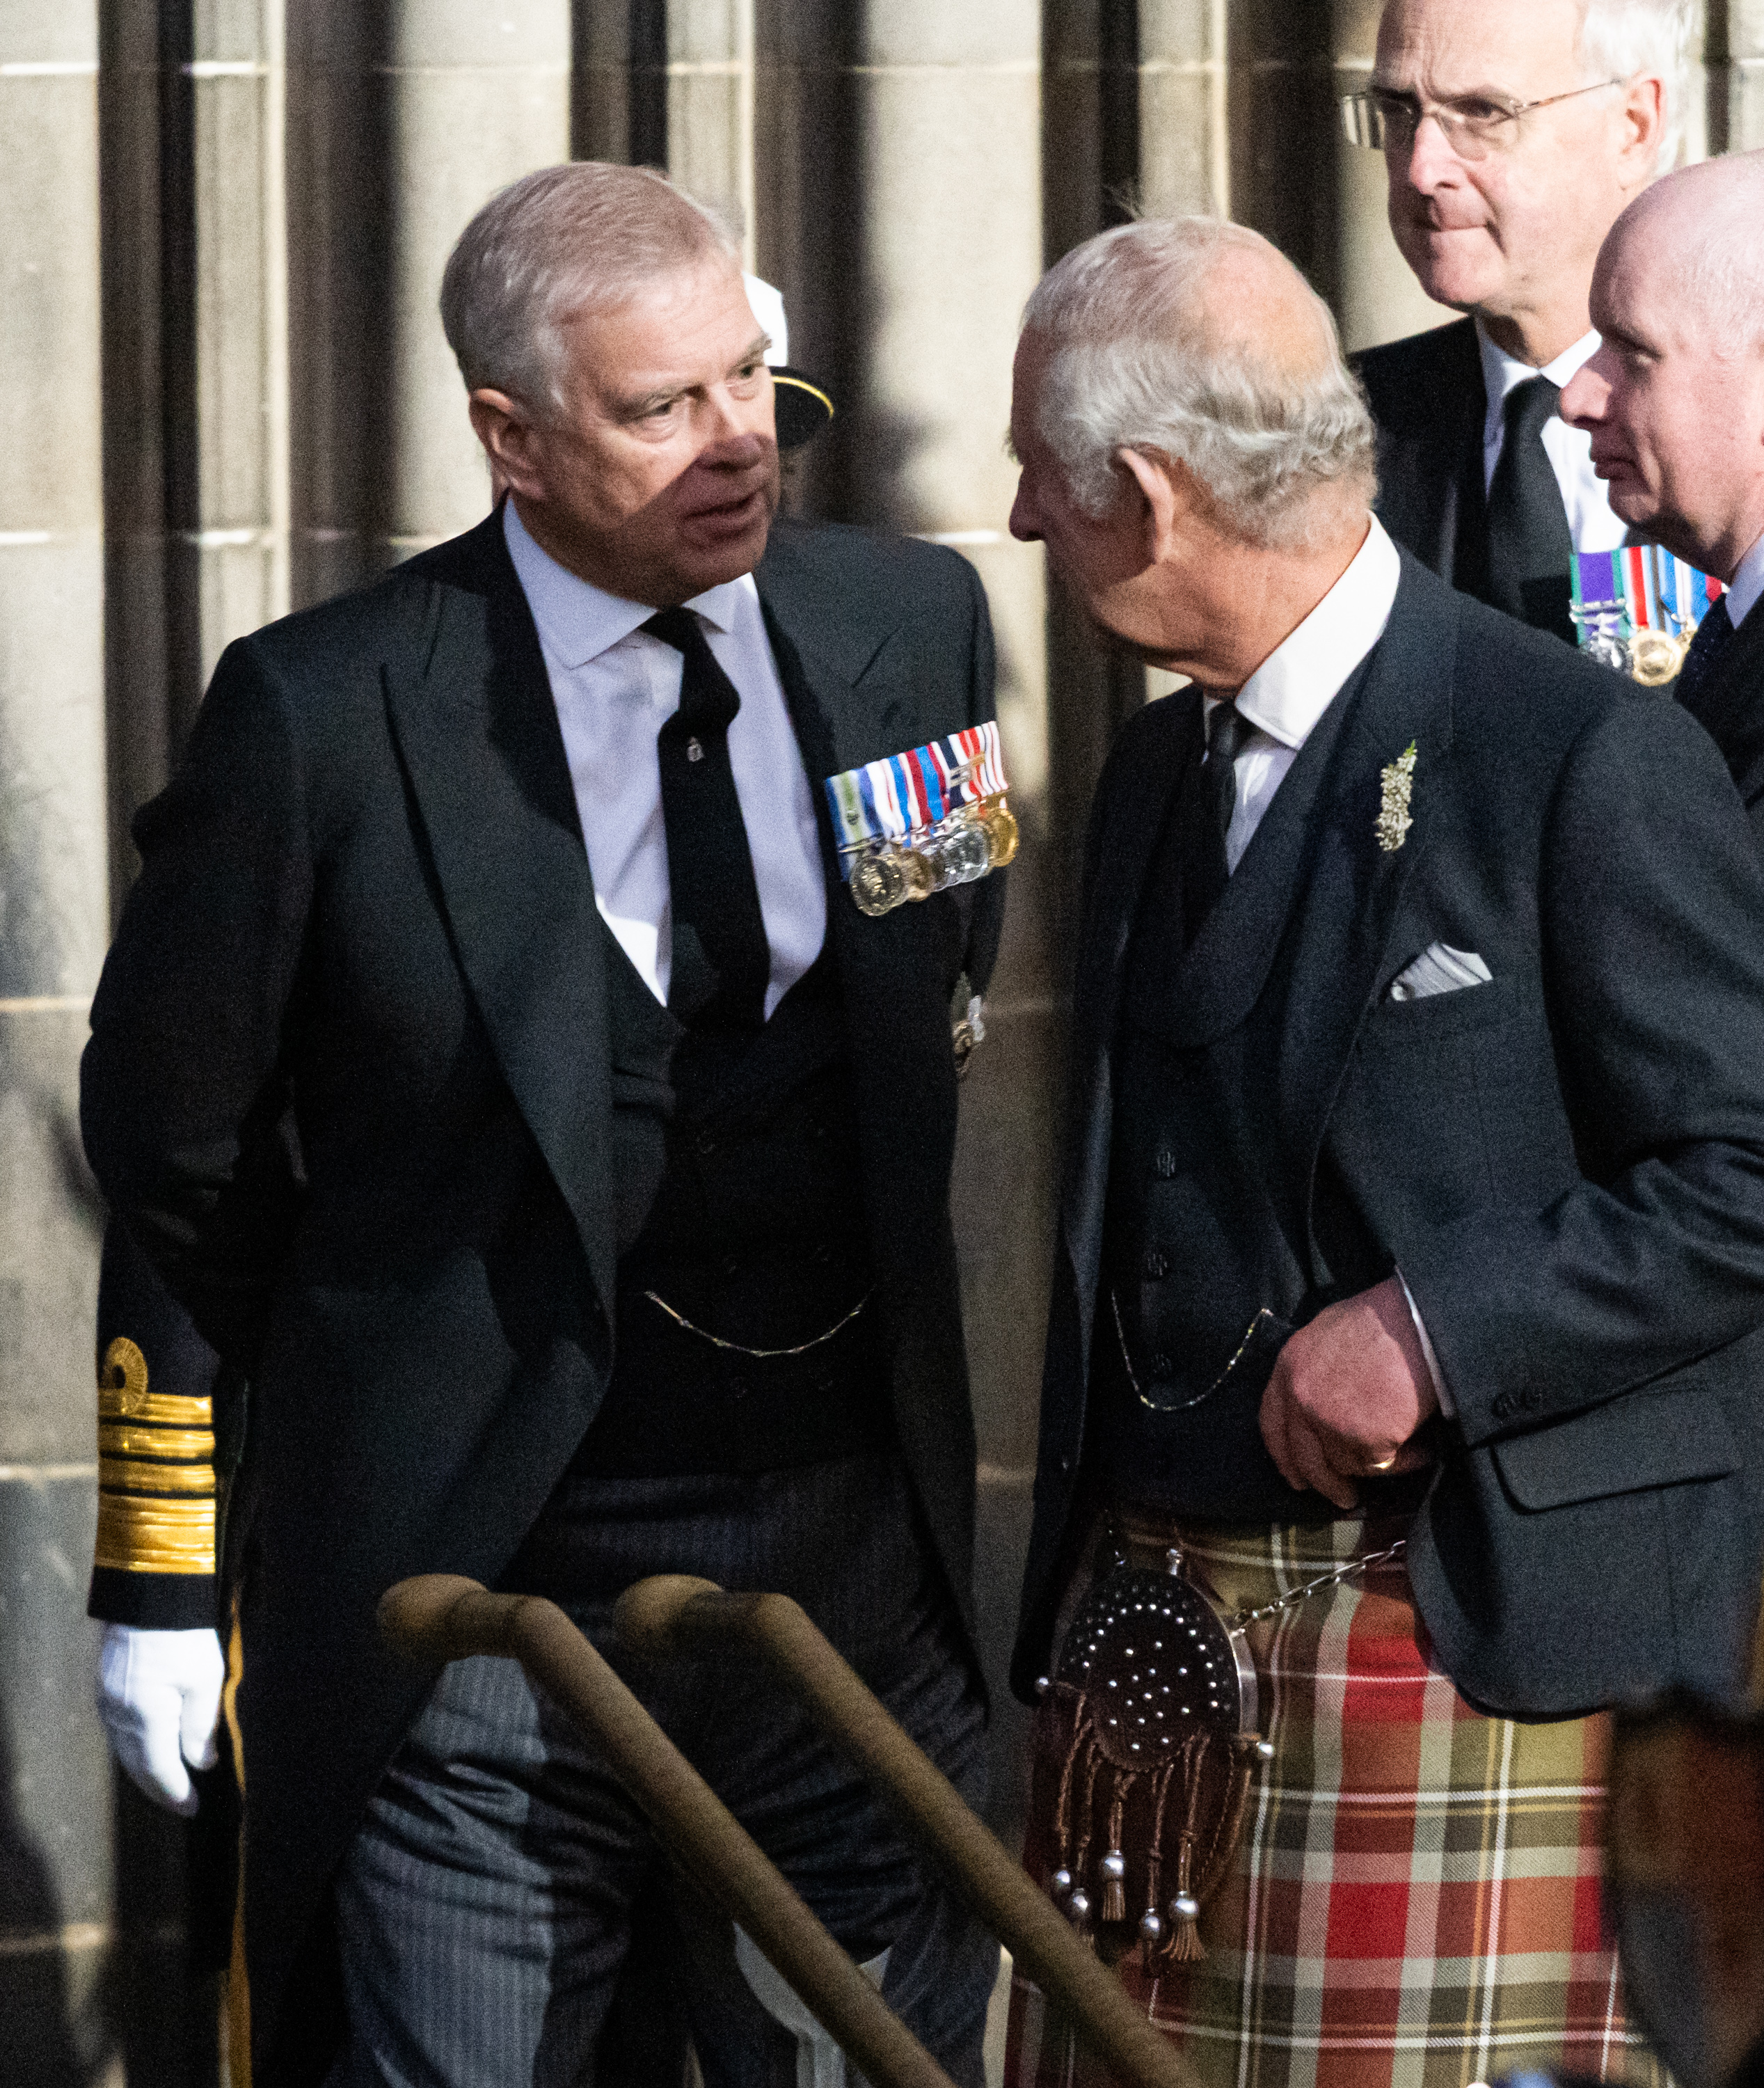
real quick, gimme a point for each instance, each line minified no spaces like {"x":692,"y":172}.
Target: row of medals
{"x":1650,"y":658}
{"x":971,"y":840}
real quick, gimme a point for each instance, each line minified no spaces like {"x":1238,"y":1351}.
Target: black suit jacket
{"x":1429,"y":402}
{"x":1729,"y":708}
{"x":1567,"y":1163}
{"x":366,"y":895}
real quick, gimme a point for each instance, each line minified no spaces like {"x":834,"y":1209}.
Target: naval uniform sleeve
{"x":182,"y":1085}
{"x":163,"y":1410}
{"x":1651,"y":907}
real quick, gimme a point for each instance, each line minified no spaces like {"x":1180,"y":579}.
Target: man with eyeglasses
{"x":1514,"y":132}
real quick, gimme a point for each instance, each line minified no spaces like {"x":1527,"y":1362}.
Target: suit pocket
{"x":1656,"y":1437}
{"x":1465,"y":1009}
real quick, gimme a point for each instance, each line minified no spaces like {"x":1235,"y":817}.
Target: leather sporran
{"x":1154,"y":1710}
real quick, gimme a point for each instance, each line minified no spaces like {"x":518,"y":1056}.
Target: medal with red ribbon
{"x":909,"y":824}
{"x":1637,"y":610}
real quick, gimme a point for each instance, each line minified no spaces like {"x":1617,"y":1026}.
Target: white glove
{"x":159,"y":1695}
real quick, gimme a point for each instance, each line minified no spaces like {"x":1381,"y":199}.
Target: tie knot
{"x":677,"y":628}
{"x":1528,"y":407}
{"x":1227,"y":729}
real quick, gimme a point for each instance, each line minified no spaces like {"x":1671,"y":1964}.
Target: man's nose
{"x":735,"y":445}
{"x":1586,"y":397}
{"x":1432,"y":162}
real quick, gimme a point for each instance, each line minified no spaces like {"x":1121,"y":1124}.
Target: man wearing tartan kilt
{"x":1411,"y":1264}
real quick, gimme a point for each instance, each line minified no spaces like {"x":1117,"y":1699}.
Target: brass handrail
{"x":441,"y":1617}
{"x":672,"y":1613}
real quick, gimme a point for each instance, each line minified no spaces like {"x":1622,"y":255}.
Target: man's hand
{"x":159,"y":1695}
{"x":1348,"y":1394}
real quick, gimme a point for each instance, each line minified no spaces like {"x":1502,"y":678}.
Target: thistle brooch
{"x":1397,"y":781}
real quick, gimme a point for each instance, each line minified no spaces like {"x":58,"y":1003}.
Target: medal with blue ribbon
{"x":1637,"y":610}
{"x":910,"y":824}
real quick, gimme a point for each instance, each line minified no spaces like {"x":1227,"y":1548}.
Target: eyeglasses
{"x":1474,"y":127}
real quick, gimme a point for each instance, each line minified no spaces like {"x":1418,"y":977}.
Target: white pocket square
{"x":1439,"y":969}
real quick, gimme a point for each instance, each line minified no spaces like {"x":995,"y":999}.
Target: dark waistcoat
{"x":736,"y":1161}
{"x":1216,"y":1246}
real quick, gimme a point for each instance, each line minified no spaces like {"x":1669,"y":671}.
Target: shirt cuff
{"x":1433,"y":1370}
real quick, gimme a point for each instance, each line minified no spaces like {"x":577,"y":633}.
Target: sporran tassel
{"x":1114,"y":1862}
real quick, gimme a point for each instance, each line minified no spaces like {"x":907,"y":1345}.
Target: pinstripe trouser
{"x":484,"y":1907}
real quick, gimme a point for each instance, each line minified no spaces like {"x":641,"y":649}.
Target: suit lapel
{"x":1349,"y":906}
{"x":477,"y":731}
{"x":897,"y":1022}
{"x":1206,"y":992}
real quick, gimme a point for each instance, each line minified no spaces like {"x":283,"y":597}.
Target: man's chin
{"x":1453,"y":267}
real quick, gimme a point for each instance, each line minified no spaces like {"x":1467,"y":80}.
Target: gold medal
{"x":919,"y":874}
{"x":999,"y":824}
{"x":1654,"y":658}
{"x":878,"y":883}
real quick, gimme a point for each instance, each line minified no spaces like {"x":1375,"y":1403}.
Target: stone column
{"x":402,"y":121}
{"x":711,"y":107}
{"x":55,"y":1824}
{"x":1735,"y":60}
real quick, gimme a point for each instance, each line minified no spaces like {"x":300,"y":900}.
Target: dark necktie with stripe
{"x":721,"y":961}
{"x":1530,"y":547}
{"x":1205,"y":873}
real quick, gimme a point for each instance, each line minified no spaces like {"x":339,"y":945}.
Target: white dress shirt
{"x":1284,"y":699}
{"x":615,"y":687}
{"x":1585,"y":495}
{"x":1747,"y":584}
{"x":1302,"y":677}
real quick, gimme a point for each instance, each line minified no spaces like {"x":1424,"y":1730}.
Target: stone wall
{"x":224,"y":392}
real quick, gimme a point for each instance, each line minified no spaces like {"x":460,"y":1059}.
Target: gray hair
{"x":1618,"y":39}
{"x":548,"y":246}
{"x":1134,"y":362}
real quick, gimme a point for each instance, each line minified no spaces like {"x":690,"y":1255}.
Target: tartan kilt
{"x":1415,"y":1901}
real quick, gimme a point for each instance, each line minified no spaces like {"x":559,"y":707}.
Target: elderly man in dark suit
{"x":1673,"y":403}
{"x":619,"y":1239}
{"x":1513,"y":132}
{"x":1410,"y":1272}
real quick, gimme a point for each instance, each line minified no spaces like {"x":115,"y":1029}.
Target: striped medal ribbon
{"x":911,"y":823}
{"x":1637,"y":609}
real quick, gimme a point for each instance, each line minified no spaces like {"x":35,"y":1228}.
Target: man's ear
{"x":1159,"y":485}
{"x":510,"y":440}
{"x":1644,"y":125}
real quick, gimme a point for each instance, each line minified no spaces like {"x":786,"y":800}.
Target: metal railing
{"x":441,"y":1617}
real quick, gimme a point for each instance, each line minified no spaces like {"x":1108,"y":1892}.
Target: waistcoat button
{"x":1160,"y":1366}
{"x":1165,"y":1161}
{"x":1157,"y":1263}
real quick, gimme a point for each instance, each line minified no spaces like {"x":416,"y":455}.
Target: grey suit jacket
{"x":1567,"y":1163}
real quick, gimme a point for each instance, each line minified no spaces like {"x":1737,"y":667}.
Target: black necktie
{"x":721,"y":960}
{"x":1529,"y":548}
{"x":1205,"y":873}
{"x":1714,"y":634}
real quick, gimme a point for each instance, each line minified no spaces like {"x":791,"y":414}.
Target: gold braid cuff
{"x":138,"y":1536}
{"x":143,"y":1526}
{"x":131,"y":1475}
{"x":186,"y":1443}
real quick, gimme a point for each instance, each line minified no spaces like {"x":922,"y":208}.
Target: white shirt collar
{"x":1747,"y":584}
{"x":578,"y":621}
{"x":1306,"y":672}
{"x":1502,"y":371}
